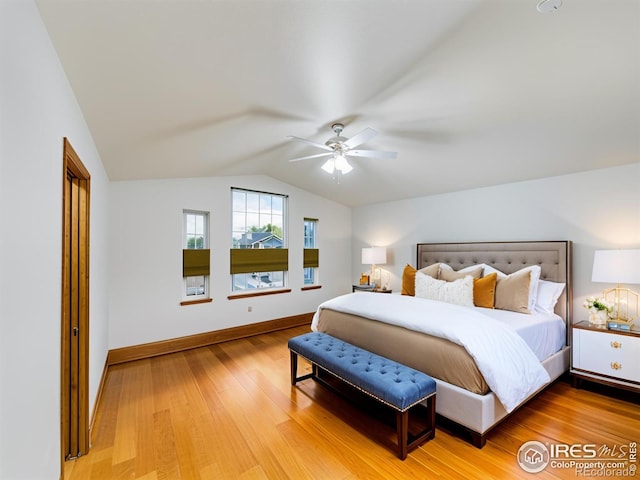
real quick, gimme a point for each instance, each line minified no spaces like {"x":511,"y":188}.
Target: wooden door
{"x":75,"y":307}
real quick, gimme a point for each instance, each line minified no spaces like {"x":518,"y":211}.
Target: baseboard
{"x":146,"y":350}
{"x":96,"y":403}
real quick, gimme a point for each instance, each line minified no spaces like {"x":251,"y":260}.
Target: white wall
{"x":136,"y":235}
{"x":596,"y":210}
{"x":146,"y":257}
{"x":38,"y":109}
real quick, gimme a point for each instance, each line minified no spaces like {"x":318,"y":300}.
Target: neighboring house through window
{"x":259,"y":257}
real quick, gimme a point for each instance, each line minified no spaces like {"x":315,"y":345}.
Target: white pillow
{"x":444,"y":266}
{"x":458,"y":292}
{"x":488,"y":269}
{"x":533,"y":281}
{"x":548,"y":295}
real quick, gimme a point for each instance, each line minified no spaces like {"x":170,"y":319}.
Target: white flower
{"x":599,"y":304}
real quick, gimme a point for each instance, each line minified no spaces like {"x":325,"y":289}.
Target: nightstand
{"x":368,"y":288}
{"x":605,"y":356}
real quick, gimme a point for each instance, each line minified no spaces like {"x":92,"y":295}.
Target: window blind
{"x":247,"y":260}
{"x":195,"y":262}
{"x":311,"y":257}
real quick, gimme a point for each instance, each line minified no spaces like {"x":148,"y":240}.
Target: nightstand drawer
{"x":607,"y":354}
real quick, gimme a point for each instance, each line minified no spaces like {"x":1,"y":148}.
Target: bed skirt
{"x":434,"y":356}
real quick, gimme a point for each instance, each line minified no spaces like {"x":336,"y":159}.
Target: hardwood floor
{"x":228,"y":411}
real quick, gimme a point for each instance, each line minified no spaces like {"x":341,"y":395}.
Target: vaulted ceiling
{"x":470,"y":93}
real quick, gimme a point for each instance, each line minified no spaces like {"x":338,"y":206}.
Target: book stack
{"x":621,"y":326}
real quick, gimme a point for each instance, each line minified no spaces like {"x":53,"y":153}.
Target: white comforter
{"x":506,"y":362}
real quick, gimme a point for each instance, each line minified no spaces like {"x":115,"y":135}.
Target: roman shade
{"x":311,"y":257}
{"x":195,"y":262}
{"x":247,"y":260}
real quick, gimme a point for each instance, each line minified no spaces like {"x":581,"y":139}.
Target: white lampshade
{"x":337,"y":162}
{"x":329,"y":166}
{"x":342,"y":165}
{"x":616,"y":266}
{"x":374,"y":256}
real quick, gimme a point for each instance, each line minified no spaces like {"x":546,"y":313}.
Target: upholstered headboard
{"x":554,"y":259}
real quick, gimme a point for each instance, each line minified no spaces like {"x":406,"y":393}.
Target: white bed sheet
{"x":544,"y":333}
{"x":506,"y":362}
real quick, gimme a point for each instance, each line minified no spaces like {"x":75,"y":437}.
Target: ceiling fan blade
{"x":373,"y":154}
{"x":317,"y":155}
{"x":362,"y":137}
{"x":315,"y":144}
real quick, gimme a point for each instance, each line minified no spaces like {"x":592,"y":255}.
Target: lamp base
{"x":625,"y":303}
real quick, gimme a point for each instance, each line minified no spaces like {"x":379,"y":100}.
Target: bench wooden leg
{"x":294,"y":367}
{"x":402,"y":424}
{"x":408,"y":442}
{"x":431,"y":405}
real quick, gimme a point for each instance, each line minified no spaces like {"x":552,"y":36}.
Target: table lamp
{"x":620,"y":267}
{"x":374,"y":256}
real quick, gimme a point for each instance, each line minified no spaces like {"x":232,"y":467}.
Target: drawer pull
{"x":616,"y":366}
{"x":616,"y":344}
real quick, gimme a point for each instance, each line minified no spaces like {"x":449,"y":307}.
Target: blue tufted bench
{"x":391,"y":383}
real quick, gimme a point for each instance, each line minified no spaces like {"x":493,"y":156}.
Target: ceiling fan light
{"x":329,"y":166}
{"x":343,"y":165}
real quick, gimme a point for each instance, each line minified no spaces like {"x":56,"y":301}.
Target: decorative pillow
{"x":409,"y":280}
{"x":444,"y":266}
{"x":409,"y":277}
{"x":512,"y":291}
{"x":450,"y":275}
{"x":489,"y":269}
{"x":432,"y":270}
{"x":458,"y":292}
{"x":484,"y":291}
{"x":533,"y":283}
{"x":548,"y":295}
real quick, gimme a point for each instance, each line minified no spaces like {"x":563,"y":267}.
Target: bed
{"x":469,"y":395}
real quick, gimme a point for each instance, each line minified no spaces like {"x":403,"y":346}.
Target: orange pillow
{"x":409,"y":277}
{"x":484,"y":291}
{"x":409,"y":281}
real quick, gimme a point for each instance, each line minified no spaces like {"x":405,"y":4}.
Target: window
{"x":259,"y":257}
{"x":195,"y":256}
{"x":310,"y":260}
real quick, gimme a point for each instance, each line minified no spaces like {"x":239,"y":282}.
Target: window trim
{"x":258,"y":293}
{"x":311,"y":256}
{"x":310,"y":287}
{"x":195,"y":302}
{"x":200,"y":262}
{"x":244,"y":261}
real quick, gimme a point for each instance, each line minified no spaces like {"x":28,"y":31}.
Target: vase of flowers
{"x":599,"y":310}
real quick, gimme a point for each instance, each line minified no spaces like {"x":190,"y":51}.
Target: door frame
{"x":74,"y":417}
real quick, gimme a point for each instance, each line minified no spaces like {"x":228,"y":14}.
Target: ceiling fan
{"x":338,"y":148}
